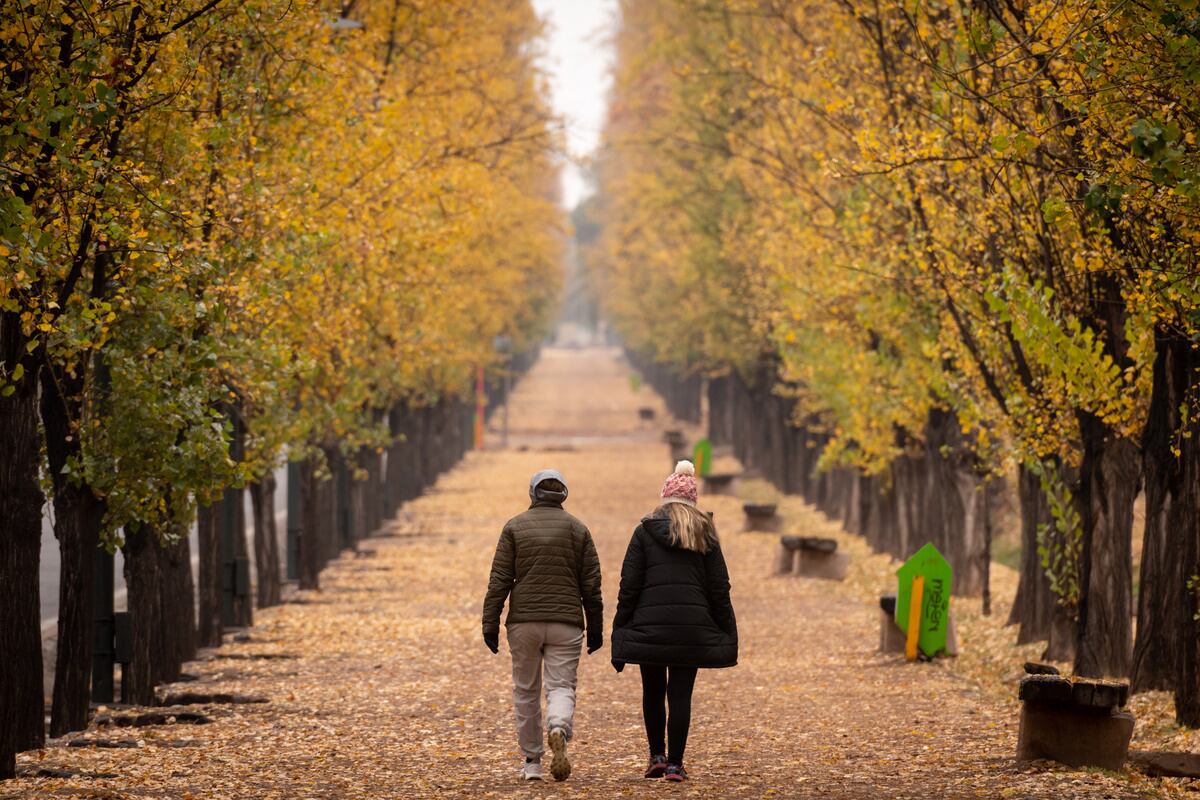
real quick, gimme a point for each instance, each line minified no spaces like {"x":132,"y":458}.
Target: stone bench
{"x":892,"y":638}
{"x":811,"y":557}
{"x":1077,"y":722}
{"x":761,"y":517}
{"x":678,"y":444}
{"x":719,"y":483}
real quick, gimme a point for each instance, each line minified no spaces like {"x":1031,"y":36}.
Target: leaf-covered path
{"x":381,"y":686}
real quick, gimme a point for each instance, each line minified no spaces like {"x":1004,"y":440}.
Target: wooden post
{"x":914,"y":618}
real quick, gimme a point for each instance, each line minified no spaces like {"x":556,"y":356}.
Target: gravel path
{"x":389,"y":691}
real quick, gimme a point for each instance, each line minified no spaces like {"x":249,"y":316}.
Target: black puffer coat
{"x":673,"y":607}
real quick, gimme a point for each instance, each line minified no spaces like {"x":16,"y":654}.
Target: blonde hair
{"x":691,"y":528}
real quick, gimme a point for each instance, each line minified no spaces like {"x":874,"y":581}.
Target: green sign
{"x":702,"y":457}
{"x":935,"y":600}
{"x":635,"y":381}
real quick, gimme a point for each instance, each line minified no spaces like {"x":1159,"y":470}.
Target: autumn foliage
{"x":962,"y":238}
{"x":282,"y":220}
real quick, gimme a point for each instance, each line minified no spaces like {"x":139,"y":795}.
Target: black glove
{"x":595,"y":640}
{"x":492,"y":640}
{"x":618,"y":665}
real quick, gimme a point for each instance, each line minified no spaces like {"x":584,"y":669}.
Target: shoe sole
{"x":654,"y":774}
{"x":676,"y":778}
{"x":560,"y":765}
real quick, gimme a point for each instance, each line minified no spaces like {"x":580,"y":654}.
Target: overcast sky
{"x":578,"y":60}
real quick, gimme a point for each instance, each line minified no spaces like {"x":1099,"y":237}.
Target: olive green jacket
{"x":546,"y":559}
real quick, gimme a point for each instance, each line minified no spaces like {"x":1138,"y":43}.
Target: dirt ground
{"x":385,"y":689}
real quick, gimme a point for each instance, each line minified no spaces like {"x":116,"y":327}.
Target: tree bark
{"x":1063,"y":636}
{"x":1165,"y":653}
{"x":177,"y":601}
{"x":313,"y":526}
{"x":1108,"y":484}
{"x":145,"y":613}
{"x":22,"y":725}
{"x":1161,"y":580}
{"x":233,"y":502}
{"x":376,"y":494}
{"x":243,"y":603}
{"x":266,"y":540}
{"x":908,"y":487}
{"x":209,"y":627}
{"x":77,"y":518}
{"x":953,"y":502}
{"x":1033,"y":607}
{"x":78,"y":514}
{"x":333,"y":505}
{"x":720,"y":424}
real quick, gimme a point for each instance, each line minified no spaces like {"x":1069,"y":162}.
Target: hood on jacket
{"x":545,"y":495}
{"x":658,"y":525}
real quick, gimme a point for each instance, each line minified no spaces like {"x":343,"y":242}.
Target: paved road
{"x":380,"y":686}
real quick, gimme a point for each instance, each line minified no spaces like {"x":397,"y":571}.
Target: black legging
{"x":676,"y":690}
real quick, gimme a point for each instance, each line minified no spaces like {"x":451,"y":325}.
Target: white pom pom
{"x":685,"y":468}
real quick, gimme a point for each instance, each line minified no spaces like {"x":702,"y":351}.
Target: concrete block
{"x":1164,"y":765}
{"x":818,"y":564}
{"x":719,"y":483}
{"x":763,"y":524}
{"x":1082,"y":692}
{"x":1075,"y":736}
{"x":785,"y":560}
{"x":951,"y":637}
{"x":891,"y":638}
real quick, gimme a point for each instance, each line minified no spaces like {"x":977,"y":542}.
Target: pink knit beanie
{"x":681,"y":485}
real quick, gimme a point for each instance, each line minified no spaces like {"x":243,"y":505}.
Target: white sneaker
{"x":532,"y":771}
{"x":560,"y":765}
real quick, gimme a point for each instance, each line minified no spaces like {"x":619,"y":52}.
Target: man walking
{"x":547,"y":561}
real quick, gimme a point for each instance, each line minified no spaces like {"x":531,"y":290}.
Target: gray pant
{"x":555,"y":647}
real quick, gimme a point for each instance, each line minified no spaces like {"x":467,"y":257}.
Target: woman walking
{"x":674,"y":616}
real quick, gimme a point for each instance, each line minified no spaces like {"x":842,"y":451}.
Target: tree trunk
{"x":312,"y":525}
{"x":376,"y":494}
{"x":78,"y":514}
{"x":242,"y":603}
{"x":720,"y":425}
{"x":908,"y":487}
{"x":266,"y":540}
{"x":145,"y":613}
{"x":1165,"y":653}
{"x":1033,"y":607}
{"x":990,"y":490}
{"x":1108,"y":484}
{"x":209,"y":628}
{"x":1155,"y":650}
{"x":393,"y":475}
{"x":1063,"y":636}
{"x":77,"y":517}
{"x":177,"y":601}
{"x":953,"y":502}
{"x":22,"y":723}
{"x":334,"y":494}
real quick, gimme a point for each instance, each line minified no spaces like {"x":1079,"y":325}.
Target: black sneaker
{"x":658,"y":767}
{"x":676,"y":773}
